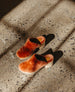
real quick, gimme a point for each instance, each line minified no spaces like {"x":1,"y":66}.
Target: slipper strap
{"x":40,"y":58}
{"x":35,"y":40}
{"x":31,"y":45}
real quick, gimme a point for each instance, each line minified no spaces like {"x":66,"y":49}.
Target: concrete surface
{"x":61,"y":77}
{"x":34,"y":18}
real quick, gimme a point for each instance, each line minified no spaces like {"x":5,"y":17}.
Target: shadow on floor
{"x":44,"y":15}
{"x":35,"y":24}
{"x":69,"y":64}
{"x":10,"y":47}
{"x":7,"y":5}
{"x":73,"y":0}
{"x":57,"y":54}
{"x":49,"y":37}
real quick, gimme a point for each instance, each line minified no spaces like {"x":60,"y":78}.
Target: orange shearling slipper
{"x":35,"y":63}
{"x":30,"y":46}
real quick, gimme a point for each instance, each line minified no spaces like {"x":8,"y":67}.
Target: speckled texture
{"x":18,"y":27}
{"x":53,"y":17}
{"x":61,"y":77}
{"x":11,"y":79}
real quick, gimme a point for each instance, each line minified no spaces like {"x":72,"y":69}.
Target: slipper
{"x":35,"y":63}
{"x":30,"y":46}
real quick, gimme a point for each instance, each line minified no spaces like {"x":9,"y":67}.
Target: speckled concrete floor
{"x":34,"y":18}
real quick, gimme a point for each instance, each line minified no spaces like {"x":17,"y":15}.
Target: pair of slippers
{"x":36,"y":61}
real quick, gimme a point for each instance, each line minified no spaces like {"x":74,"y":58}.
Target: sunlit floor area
{"x":33,"y":18}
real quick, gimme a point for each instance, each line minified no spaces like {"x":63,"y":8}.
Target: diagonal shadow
{"x":8,"y":49}
{"x":57,"y":54}
{"x":12,"y":45}
{"x":18,"y":30}
{"x":69,"y":65}
{"x":65,"y":39}
{"x":72,"y":0}
{"x":7,"y":5}
{"x":45,"y":14}
{"x":21,"y":34}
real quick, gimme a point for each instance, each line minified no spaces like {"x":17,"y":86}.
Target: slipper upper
{"x":34,"y":63}
{"x":29,"y":47}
